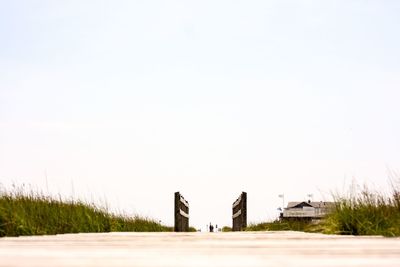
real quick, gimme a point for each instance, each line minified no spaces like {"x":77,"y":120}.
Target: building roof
{"x":315,"y":204}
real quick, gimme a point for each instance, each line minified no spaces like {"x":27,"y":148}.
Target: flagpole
{"x":283,"y":200}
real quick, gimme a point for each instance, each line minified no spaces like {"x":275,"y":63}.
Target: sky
{"x":123,"y":103}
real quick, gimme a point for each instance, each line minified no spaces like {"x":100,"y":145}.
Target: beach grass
{"x":361,"y":211}
{"x":365,"y":213}
{"x":282,"y":225}
{"x":226,"y":229}
{"x":36,"y":214}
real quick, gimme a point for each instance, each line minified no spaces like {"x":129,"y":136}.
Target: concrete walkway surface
{"x":278,"y":249}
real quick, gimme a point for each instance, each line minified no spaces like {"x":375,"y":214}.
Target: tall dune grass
{"x":36,"y":214}
{"x":366,"y":213}
{"x":359,"y":212}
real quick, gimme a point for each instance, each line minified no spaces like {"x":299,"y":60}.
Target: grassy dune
{"x":366,"y":213}
{"x":362,"y":212}
{"x":287,"y":225}
{"x":36,"y":214}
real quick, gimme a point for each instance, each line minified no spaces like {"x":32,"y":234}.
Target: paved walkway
{"x":278,"y":249}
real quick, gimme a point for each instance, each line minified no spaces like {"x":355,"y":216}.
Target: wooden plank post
{"x":178,"y":221}
{"x":244,"y":211}
{"x":239,"y":213}
{"x":181,"y":213}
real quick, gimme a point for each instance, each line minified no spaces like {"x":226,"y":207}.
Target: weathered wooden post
{"x":244,"y":210}
{"x":239,"y":213}
{"x":181,"y":214}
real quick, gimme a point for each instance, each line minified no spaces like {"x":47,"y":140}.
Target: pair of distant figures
{"x":211,"y":228}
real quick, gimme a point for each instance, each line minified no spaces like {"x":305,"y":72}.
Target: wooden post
{"x":244,"y":211}
{"x":177,"y":224}
{"x":239,"y":213}
{"x":181,"y":213}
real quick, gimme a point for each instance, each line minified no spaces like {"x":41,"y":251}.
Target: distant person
{"x":211,"y":228}
{"x":216,"y":228}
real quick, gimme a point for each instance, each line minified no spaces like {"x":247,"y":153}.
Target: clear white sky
{"x":130,"y":101}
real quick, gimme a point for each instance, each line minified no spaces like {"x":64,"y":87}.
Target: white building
{"x":307,"y":210}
